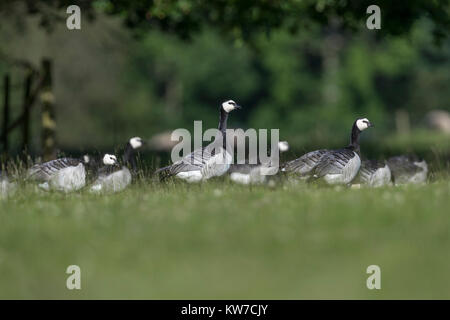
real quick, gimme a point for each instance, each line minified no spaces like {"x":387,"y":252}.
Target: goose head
{"x":230,"y":105}
{"x":283,"y":146}
{"x":136,"y":142}
{"x":363,"y":123}
{"x":109,"y":160}
{"x":86,"y":159}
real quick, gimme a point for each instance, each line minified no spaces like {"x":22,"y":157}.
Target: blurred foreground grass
{"x":217,"y":240}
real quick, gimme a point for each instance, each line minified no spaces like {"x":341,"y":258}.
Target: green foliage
{"x":311,"y":84}
{"x":245,"y":19}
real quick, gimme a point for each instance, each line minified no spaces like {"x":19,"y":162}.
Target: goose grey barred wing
{"x":306,"y":163}
{"x":44,"y":171}
{"x":192,"y":162}
{"x":333,"y":162}
{"x":368,"y":168}
{"x":403,"y":165}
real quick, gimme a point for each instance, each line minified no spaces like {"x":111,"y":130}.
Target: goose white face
{"x":86,"y":158}
{"x":230,"y":105}
{"x":283,"y":146}
{"x":363,"y":124}
{"x":109,"y":160}
{"x":136,"y":142}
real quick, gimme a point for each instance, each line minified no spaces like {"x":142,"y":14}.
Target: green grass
{"x":220,"y":241}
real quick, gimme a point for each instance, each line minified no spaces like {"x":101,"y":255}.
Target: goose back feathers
{"x":65,"y":174}
{"x":374,"y":173}
{"x":337,"y":166}
{"x":305,"y":164}
{"x":408,"y":169}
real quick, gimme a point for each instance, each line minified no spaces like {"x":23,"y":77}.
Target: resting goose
{"x":252,"y":173}
{"x":408,"y":169}
{"x":64,"y":174}
{"x":374,"y":173}
{"x":112,"y":177}
{"x":333,"y":166}
{"x":204,"y":163}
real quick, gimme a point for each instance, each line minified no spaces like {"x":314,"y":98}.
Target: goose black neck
{"x":129,"y":156}
{"x":354,"y":139}
{"x":223,"y":126}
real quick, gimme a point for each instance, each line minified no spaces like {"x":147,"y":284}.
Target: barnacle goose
{"x":252,"y":173}
{"x":112,"y":177}
{"x":7,"y":187}
{"x":64,"y":174}
{"x":374,"y":173}
{"x":408,"y":169}
{"x":204,"y":163}
{"x":333,"y":166}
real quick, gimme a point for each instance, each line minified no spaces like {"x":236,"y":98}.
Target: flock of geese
{"x":342,"y":166}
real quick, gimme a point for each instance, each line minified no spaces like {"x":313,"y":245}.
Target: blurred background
{"x":309,"y":68}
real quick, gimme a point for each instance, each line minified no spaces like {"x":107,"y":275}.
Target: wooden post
{"x":48,"y":113}
{"x":26,"y":111}
{"x":6,"y":88}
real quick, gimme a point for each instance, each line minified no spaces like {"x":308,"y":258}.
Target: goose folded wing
{"x":333,"y":162}
{"x":305,"y":163}
{"x":45,"y":170}
{"x":371,"y":166}
{"x":192,"y":162}
{"x":367,"y":169}
{"x":402,"y":165}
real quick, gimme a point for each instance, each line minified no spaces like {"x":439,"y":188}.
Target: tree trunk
{"x":26,"y":111}
{"x":6,"y":113}
{"x":48,"y":113}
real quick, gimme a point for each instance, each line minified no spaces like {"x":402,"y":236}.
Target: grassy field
{"x":217,"y":240}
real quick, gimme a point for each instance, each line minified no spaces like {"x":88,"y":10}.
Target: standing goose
{"x":374,"y":173}
{"x":252,"y":173}
{"x":64,"y":174}
{"x":113,"y":177}
{"x":205,"y":163}
{"x":408,"y":169}
{"x":333,"y":166}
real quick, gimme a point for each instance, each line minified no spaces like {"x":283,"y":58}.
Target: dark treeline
{"x":113,"y":80}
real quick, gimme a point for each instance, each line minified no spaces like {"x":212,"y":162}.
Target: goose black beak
{"x":238,"y":107}
{"x":371,"y":125}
